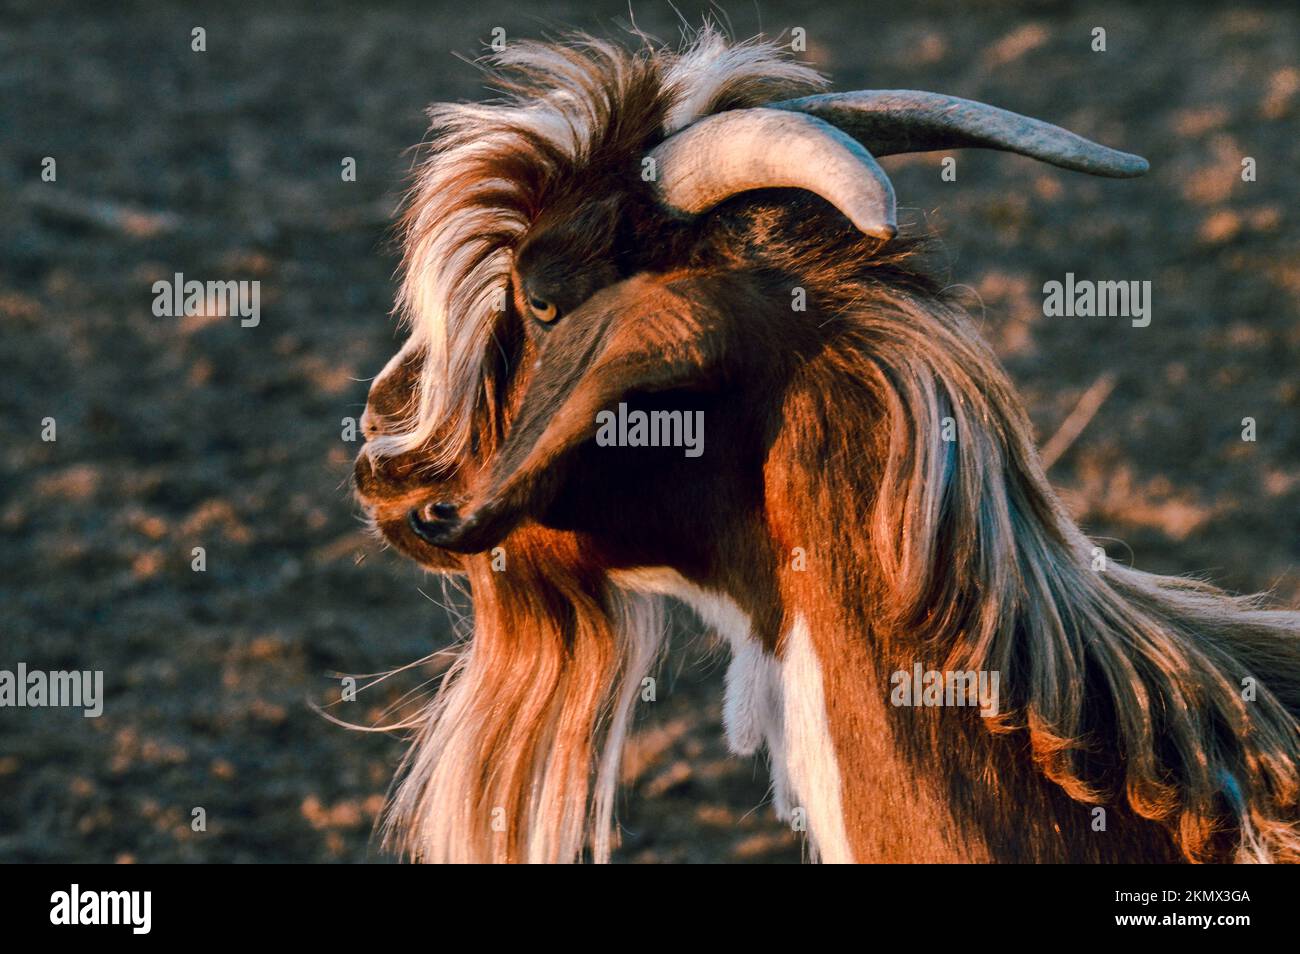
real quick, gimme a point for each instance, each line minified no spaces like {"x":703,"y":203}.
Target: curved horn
{"x":747,"y":149}
{"x":891,"y":121}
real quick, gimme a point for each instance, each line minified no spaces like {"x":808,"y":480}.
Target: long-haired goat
{"x":631,"y":228}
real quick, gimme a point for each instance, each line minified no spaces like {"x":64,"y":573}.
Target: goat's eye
{"x":544,"y":311}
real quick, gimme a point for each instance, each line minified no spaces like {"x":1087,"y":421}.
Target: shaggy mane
{"x":1142,"y":693}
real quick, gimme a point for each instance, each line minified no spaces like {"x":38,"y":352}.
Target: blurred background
{"x":176,"y":433}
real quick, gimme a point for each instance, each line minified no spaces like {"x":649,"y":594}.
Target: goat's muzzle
{"x":392,"y":491}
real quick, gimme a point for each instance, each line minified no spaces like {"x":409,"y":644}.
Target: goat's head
{"x":616,"y":249}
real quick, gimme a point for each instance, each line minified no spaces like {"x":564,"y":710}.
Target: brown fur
{"x":1120,"y":689}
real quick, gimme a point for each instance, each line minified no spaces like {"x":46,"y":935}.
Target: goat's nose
{"x":432,"y":521}
{"x":441,"y":510}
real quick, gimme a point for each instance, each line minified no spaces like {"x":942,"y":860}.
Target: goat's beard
{"x":517,"y":757}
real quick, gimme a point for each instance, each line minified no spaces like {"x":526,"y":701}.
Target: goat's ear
{"x":643,"y":335}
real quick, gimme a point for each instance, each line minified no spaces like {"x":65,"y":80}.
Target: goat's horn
{"x":748,"y":149}
{"x":891,"y":121}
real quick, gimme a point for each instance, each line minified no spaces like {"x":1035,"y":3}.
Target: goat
{"x":627,"y":227}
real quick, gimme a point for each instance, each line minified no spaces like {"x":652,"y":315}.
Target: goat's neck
{"x":896,"y":549}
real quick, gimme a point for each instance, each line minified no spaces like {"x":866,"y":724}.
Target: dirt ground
{"x":177,"y":433}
